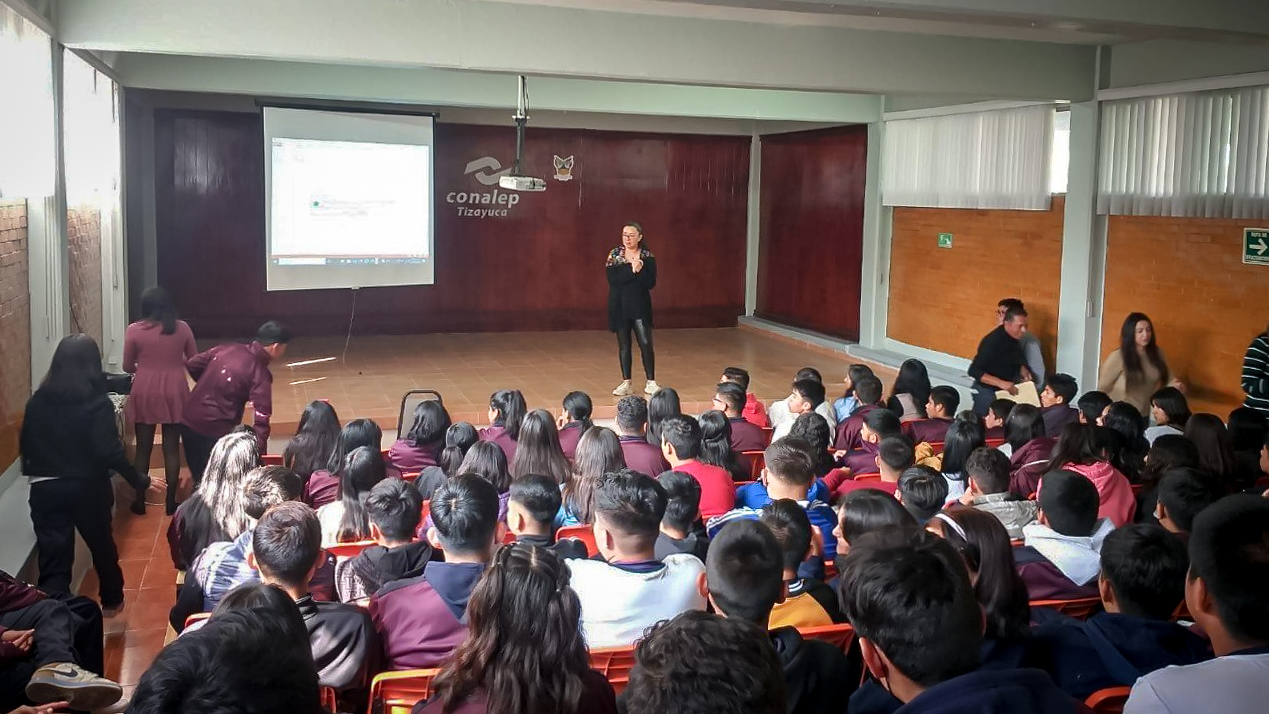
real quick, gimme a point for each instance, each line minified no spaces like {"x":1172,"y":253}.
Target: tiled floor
{"x":465,"y":368}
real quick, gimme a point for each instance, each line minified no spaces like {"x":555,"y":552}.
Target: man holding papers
{"x":1000,"y":362}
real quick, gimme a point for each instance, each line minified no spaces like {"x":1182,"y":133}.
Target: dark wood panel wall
{"x":534,"y":265}
{"x":812,"y":221}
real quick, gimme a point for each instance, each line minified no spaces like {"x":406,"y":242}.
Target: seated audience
{"x":662,"y":405}
{"x":1170,"y":411}
{"x":994,"y":420}
{"x":850,"y":432}
{"x":420,"y":447}
{"x":51,"y":650}
{"x":574,"y":421}
{"x":490,"y":464}
{"x":1141,"y":585}
{"x":988,"y":491}
{"x":1170,"y":451}
{"x":1077,"y":451}
{"x":729,"y":398}
{"x":716,"y":446}
{"x":812,"y":429}
{"x":393,"y":508}
{"x":878,"y":424}
{"x":920,"y":630}
{"x":1215,"y":450}
{"x":224,"y":565}
{"x":754,"y":412}
{"x":965,"y":435}
{"x":344,"y":521}
{"x":599,"y":451}
{"x":1124,"y":439}
{"x":922,"y":491}
{"x":808,"y":602}
{"x":742,"y":581}
{"x":895,"y":455}
{"x":535,"y":500}
{"x":323,"y":486}
{"x":742,"y":672}
{"x":629,"y":589}
{"x":246,"y":661}
{"x":807,"y":396}
{"x":1061,"y":551}
{"x":846,"y":404}
{"x":506,"y":414}
{"x":1226,"y":592}
{"x":681,"y":447}
{"x":287,"y":550}
{"x":524,"y":650}
{"x":680,"y":529}
{"x":422,"y":619}
{"x":538,"y":448}
{"x":632,"y":421}
{"x":1247,"y":431}
{"x":941,"y":407}
{"x":459,"y":438}
{"x":215,"y":511}
{"x":1055,"y":403}
{"x":1183,"y":493}
{"x":788,"y":473}
{"x":911,"y":391}
{"x":1092,"y":405}
{"x":1029,"y":449}
{"x":314,"y":440}
{"x":781,"y":413}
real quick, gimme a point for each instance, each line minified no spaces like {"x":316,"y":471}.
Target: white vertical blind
{"x":28,"y":164}
{"x":991,"y":159}
{"x":1204,"y":154}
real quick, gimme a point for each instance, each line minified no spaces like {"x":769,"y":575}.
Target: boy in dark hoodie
{"x":920,"y":631}
{"x":394,"y":508}
{"x":531,"y":509}
{"x":422,"y":619}
{"x":743,"y":580}
{"x":680,"y":532}
{"x":1141,"y":584}
{"x":1055,"y":403}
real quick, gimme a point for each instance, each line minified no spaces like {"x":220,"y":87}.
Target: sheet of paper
{"x":1026,"y":394}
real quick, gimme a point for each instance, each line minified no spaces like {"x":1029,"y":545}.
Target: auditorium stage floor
{"x":467,"y":368}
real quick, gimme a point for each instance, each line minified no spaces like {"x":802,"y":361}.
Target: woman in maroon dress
{"x":155,"y":349}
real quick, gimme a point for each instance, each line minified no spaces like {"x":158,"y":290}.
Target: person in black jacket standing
{"x":69,"y":445}
{"x":632,"y":273}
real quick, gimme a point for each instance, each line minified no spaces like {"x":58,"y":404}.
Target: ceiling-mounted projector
{"x":516,"y":180}
{"x":521,"y":183}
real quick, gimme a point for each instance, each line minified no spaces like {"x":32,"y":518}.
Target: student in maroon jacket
{"x":868,"y":392}
{"x":755,"y":411}
{"x":941,"y":407}
{"x":730,"y":399}
{"x":422,"y":620}
{"x":878,"y":424}
{"x":632,"y":421}
{"x":1061,"y":555}
{"x":506,"y":412}
{"x":229,"y":376}
{"x":1029,"y":449}
{"x":1055,"y":403}
{"x":421,"y":446}
{"x":574,"y":421}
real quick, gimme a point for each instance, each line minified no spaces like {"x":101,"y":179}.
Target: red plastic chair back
{"x":937,"y":446}
{"x":1108,"y":701}
{"x":1079,"y":608}
{"x":398,"y":692}
{"x":756,"y":462}
{"x":615,"y":664}
{"x":330,"y":699}
{"x":840,"y":636}
{"x":584,"y":533}
{"x":348,"y":550}
{"x":995,"y":442}
{"x":271,"y":460}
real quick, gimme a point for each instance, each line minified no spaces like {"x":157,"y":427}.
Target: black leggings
{"x":643,"y":333}
{"x":171,"y":457}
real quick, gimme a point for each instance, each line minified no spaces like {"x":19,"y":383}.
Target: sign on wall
{"x":1256,"y":246}
{"x":945,"y":240}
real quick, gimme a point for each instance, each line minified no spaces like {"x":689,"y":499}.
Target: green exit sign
{"x":945,"y":240}
{"x":1256,"y":246}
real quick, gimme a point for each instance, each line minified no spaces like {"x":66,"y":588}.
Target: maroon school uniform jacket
{"x":422,"y":620}
{"x":746,"y":436}
{"x":927,"y":430}
{"x":499,"y":436}
{"x":228,"y":377}
{"x":1057,"y":417}
{"x":1044,"y":580}
{"x":409,"y":459}
{"x":848,"y":432}
{"x":1028,"y":464}
{"x":569,"y":436}
{"x":642,"y":456}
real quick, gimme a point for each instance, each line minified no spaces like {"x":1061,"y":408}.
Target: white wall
{"x":1159,"y":61}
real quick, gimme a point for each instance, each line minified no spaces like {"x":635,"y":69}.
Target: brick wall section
{"x":15,"y":327}
{"x":83,"y":236}
{"x":944,"y":300}
{"x":1187,"y":275}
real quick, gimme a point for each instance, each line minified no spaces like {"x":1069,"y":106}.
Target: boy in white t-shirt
{"x":630,"y":589}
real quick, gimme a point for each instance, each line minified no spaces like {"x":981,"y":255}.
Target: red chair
{"x":1108,"y":701}
{"x":349,"y":550}
{"x":1079,"y":608}
{"x":271,"y":460}
{"x":840,"y":636}
{"x":937,"y":446}
{"x":757,"y":463}
{"x":867,"y":477}
{"x":738,"y":484}
{"x":196,"y":617}
{"x":584,"y":533}
{"x":330,"y":699}
{"x":398,"y":692}
{"x":1136,"y":488}
{"x":995,"y":442}
{"x":615,"y":664}
{"x":410,"y":477}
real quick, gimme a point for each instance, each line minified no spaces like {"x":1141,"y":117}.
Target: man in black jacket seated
{"x":743,"y":580}
{"x":287,"y":551}
{"x":394,"y":508}
{"x":1142,"y":582}
{"x":999,"y":363}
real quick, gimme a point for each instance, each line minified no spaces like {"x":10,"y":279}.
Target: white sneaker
{"x":623,"y":389}
{"x":66,"y":682}
{"x":651,"y":387}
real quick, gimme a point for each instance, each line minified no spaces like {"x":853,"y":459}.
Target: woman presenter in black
{"x":632,"y":273}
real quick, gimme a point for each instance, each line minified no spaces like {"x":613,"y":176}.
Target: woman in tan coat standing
{"x":1138,"y":368}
